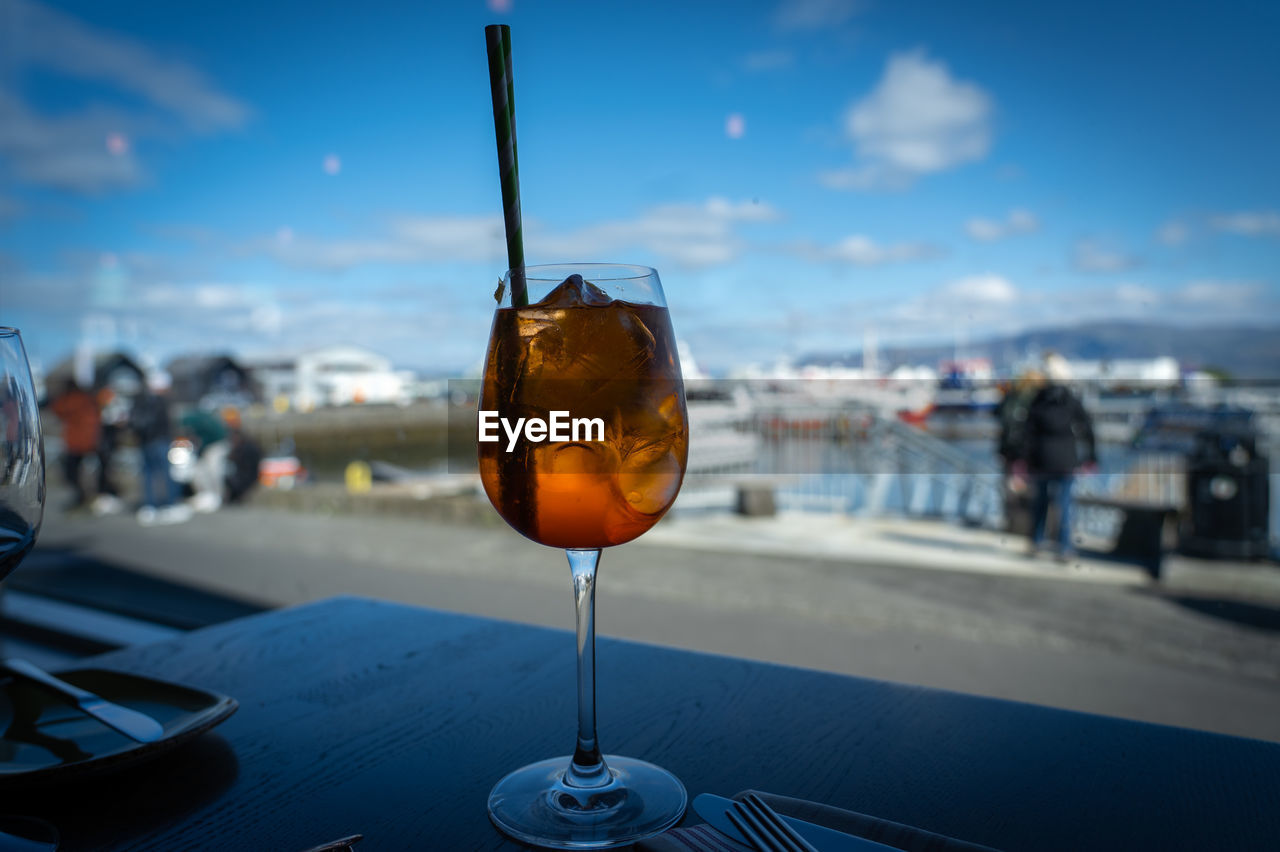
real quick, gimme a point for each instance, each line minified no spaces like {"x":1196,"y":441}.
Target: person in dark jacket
{"x":113,"y":414}
{"x":1059,"y":441}
{"x":1011,"y":445}
{"x":243,"y":458}
{"x":1012,"y":414}
{"x":149,"y":420}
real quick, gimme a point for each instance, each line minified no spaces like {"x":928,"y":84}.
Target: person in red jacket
{"x":81,"y":433}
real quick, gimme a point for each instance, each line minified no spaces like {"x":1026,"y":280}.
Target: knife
{"x":131,"y":723}
{"x":713,"y":809}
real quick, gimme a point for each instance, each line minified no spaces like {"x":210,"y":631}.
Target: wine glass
{"x":591,"y":355}
{"x":21,"y":455}
{"x":21,"y":511}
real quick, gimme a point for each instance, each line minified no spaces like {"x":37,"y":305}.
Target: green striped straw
{"x":498,"y":40}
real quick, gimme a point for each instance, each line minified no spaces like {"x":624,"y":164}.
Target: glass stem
{"x":587,"y":768}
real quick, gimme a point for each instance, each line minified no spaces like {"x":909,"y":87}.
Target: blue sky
{"x":229,"y":177}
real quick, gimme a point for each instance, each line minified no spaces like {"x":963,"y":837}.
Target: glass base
{"x":535,"y":806}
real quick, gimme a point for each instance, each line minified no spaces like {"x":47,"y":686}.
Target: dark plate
{"x":44,"y":739}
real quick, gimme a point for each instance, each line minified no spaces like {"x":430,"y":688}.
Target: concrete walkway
{"x":965,"y":613}
{"x":916,"y":544}
{"x":930,"y":545}
{"x":907,"y":543}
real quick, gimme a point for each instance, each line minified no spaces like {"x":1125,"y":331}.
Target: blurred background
{"x":883,"y":230}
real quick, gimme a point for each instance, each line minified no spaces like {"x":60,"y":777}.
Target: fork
{"x":763,"y":828}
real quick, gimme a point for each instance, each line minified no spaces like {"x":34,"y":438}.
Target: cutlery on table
{"x":715,"y":810}
{"x":762,"y":826}
{"x":134,"y":725}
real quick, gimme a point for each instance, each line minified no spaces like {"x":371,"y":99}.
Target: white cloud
{"x":202,"y":296}
{"x":67,"y":151}
{"x":452,"y":238}
{"x":984,"y":229}
{"x":59,"y":42}
{"x":1197,"y":302}
{"x":973,"y":307}
{"x":336,"y":254}
{"x":689,"y":234}
{"x":424,"y":320}
{"x":227,"y":307}
{"x":1218,"y":294}
{"x":152,"y":315}
{"x":988,"y":304}
{"x":861,"y":250}
{"x":741,"y":211}
{"x":919,"y":120}
{"x":768,"y":60}
{"x":983,"y":289}
{"x":985,"y":300}
{"x":91,"y":149}
{"x":861,"y":178}
{"x":692,"y":235}
{"x":797,"y":15}
{"x":408,"y":240}
{"x":1260,"y":223}
{"x":267,"y":319}
{"x":850,"y":179}
{"x":1018,"y":221}
{"x":1136,"y":294}
{"x":256,"y":323}
{"x":1173,"y":233}
{"x":1094,"y":256}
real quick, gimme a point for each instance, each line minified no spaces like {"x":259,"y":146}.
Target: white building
{"x":334,"y":375}
{"x":1143,"y":372}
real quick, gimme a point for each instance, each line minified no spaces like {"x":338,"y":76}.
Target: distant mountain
{"x":1242,"y":351}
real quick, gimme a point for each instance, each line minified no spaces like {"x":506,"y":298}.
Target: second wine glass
{"x":21,"y":454}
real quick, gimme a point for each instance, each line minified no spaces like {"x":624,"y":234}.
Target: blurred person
{"x":149,"y":420}
{"x":77,"y":411}
{"x":113,"y":415}
{"x":208,"y":475}
{"x":1057,"y":426}
{"x":243,"y":459}
{"x":1011,"y":446}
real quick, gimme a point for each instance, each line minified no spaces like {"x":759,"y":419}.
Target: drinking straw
{"x":498,"y":41}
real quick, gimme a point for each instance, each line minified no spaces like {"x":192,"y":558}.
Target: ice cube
{"x":545,"y":350}
{"x":631,"y":344}
{"x":574,"y":291}
{"x":648,"y":477}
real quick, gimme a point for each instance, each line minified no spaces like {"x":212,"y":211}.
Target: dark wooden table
{"x":393,"y":722}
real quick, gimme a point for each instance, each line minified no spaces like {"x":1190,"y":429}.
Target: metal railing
{"x":847,"y":458}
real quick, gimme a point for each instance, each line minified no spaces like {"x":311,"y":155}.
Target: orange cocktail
{"x":606,"y":373}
